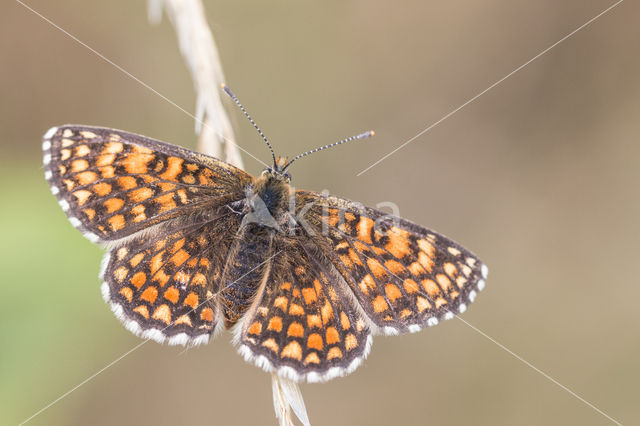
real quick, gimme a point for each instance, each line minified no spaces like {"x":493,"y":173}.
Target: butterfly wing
{"x":112,"y":184}
{"x":164,"y":286}
{"x":162,"y":211}
{"x":302,"y":325}
{"x":404,"y":276}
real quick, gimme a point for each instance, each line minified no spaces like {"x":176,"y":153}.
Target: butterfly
{"x":304,"y":280}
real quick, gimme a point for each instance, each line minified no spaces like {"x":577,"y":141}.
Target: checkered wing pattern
{"x":162,"y":211}
{"x":303,"y":324}
{"x":164,"y":288}
{"x":404,"y":276}
{"x":112,"y":184}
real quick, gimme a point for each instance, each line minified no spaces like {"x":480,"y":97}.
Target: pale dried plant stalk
{"x":215,"y":136}
{"x":201,"y":54}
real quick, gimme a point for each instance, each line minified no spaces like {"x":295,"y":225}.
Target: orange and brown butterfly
{"x":195,"y":245}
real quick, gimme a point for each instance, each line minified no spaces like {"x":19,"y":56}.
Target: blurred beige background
{"x":539,"y":177}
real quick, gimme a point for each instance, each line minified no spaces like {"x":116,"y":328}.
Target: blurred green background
{"x":540,"y":177}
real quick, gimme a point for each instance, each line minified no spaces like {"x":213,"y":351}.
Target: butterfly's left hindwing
{"x":112,"y":184}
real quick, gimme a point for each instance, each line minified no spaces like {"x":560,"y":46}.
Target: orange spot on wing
{"x":116,"y":222}
{"x":344,"y":320}
{"x":113,"y":204}
{"x":394,"y":267}
{"x":162,"y":313}
{"x":334,"y":353}
{"x":174,"y":168}
{"x":431,"y":288}
{"x":82,"y":195}
{"x":199,"y":279}
{"x":285,"y":286}
{"x":392,"y":291}
{"x":166,"y":202}
{"x":127,"y":182}
{"x":367,"y":284}
{"x":398,"y":244}
{"x":312,"y":358}
{"x":172,"y":294}
{"x":191,"y":300}
{"x":140,"y":194}
{"x":138,"y":279}
{"x":207,"y":314}
{"x":281,"y":302}
{"x":376,"y":268}
{"x":255,"y":328}
{"x":333,"y":217}
{"x":120,"y":273}
{"x":295,"y":330}
{"x":275,"y":323}
{"x":271,"y":344}
{"x":82,"y":150}
{"x":101,"y":188}
{"x":365,"y":225}
{"x":79,"y":165}
{"x":183,"y":319}
{"x":189,"y":179}
{"x":127,"y":293}
{"x":314,"y":321}
{"x":105,"y":160}
{"x":179,"y":257}
{"x":107,"y":172}
{"x":327,"y":312}
{"x":379,"y":304}
{"x":410,"y":286}
{"x":296,"y":309}
{"x":315,"y":341}
{"x":156,"y":262}
{"x":135,"y":260}
{"x":292,"y":350}
{"x":444,"y":282}
{"x":440,"y":301}
{"x":85,"y":178}
{"x":450,"y":269}
{"x":161,"y":277}
{"x":355,"y":258}
{"x":309,"y":295}
{"x":112,"y":148}
{"x":332,"y":335}
{"x":142,"y":310}
{"x":149,"y":294}
{"x":350,"y":342}
{"x":426,"y":261}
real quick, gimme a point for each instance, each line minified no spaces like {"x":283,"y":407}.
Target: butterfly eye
{"x":287,"y":176}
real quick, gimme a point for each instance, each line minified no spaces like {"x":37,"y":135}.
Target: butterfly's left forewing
{"x":112,"y":184}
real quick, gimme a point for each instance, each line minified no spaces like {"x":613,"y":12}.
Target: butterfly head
{"x":278,"y":170}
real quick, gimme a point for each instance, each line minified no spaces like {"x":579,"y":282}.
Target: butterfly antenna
{"x":244,"y":111}
{"x":349,"y":139}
